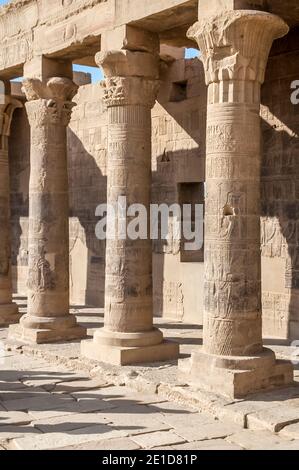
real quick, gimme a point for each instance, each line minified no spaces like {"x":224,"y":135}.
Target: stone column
{"x":49,"y":110}
{"x":9,"y":313}
{"x":235,"y":48}
{"x":128,"y":335}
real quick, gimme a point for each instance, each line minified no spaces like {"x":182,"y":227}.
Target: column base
{"x":9,"y":314}
{"x":32,"y":330}
{"x":129,"y":348}
{"x":236,"y":377}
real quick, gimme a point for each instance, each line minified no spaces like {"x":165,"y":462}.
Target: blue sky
{"x":95,"y":72}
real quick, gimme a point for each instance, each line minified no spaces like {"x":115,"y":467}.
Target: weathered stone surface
{"x":111,"y":444}
{"x":66,"y":423}
{"x":215,"y":430}
{"x":261,"y":440}
{"x":78,"y":385}
{"x":160,"y":156}
{"x":40,"y":403}
{"x":58,"y":440}
{"x":233,"y":362}
{"x":16,"y":432}
{"x":49,"y":109}
{"x":9,"y":313}
{"x":214,"y":444}
{"x":290,"y":431}
{"x":156,"y":439}
{"x":136,"y":419}
{"x":14,"y":417}
{"x":128,"y":336}
{"x":273,"y":419}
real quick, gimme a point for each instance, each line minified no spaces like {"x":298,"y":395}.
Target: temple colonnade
{"x":235,"y":46}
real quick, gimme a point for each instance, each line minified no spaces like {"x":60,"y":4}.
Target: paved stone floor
{"x":50,"y":398}
{"x":50,"y":407}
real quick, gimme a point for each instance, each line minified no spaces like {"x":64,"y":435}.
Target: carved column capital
{"x":235,"y":47}
{"x":121,"y":91}
{"x":50,"y":101}
{"x":132,"y":78}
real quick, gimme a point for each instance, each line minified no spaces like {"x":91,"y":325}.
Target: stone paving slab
{"x":36,"y":403}
{"x":49,"y":379}
{"x":14,"y":386}
{"x":111,"y":444}
{"x":138,"y":419}
{"x":261,"y":440}
{"x":184,"y":420}
{"x":273,"y":419}
{"x":118,"y":395}
{"x":81,"y":385}
{"x":57,"y":440}
{"x":17,"y":431}
{"x":214,"y":444}
{"x":14,"y":418}
{"x":291,"y":431}
{"x":20,"y":394}
{"x":70,"y":422}
{"x":157,"y":439}
{"x":215,"y":430}
{"x":143,"y":409}
{"x":71,"y":407}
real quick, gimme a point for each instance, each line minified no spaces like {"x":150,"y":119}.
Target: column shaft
{"x":235,"y":46}
{"x":128,"y":335}
{"x":49,"y":111}
{"x":232,"y":315}
{"x":48,"y":244}
{"x":128,"y":293}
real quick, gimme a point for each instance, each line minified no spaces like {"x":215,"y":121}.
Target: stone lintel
{"x":210,"y":8}
{"x":43,"y":68}
{"x":170,"y":54}
{"x":130,"y":38}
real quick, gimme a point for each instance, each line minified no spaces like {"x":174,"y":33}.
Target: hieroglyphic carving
{"x":16,"y":51}
{"x":129,"y":97}
{"x":173,"y":300}
{"x":234,"y":50}
{"x":49,"y":111}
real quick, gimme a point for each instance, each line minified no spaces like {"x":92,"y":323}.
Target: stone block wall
{"x":280,"y":192}
{"x":179,"y":122}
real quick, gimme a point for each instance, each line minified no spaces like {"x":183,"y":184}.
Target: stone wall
{"x":179,"y":121}
{"x":87,"y":148}
{"x":280,"y":192}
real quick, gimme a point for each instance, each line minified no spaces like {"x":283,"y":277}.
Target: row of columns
{"x":235,"y":48}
